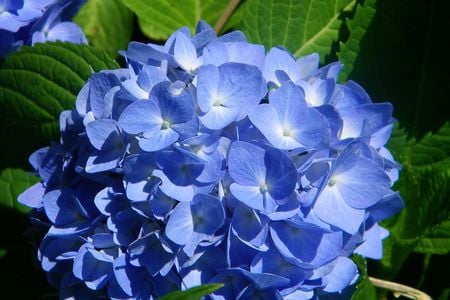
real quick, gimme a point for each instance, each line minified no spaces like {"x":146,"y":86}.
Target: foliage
{"x":36,"y":84}
{"x":194,"y":293}
{"x":108,"y":25}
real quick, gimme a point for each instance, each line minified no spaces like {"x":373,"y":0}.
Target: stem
{"x":226,"y":15}
{"x":400,"y":289}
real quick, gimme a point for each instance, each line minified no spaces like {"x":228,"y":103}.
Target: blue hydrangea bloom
{"x":26,"y":22}
{"x":209,"y":160}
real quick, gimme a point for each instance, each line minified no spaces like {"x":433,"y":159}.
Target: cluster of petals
{"x":211,"y":160}
{"x":26,"y":22}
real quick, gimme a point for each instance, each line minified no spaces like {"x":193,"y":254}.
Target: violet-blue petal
{"x":250,"y":226}
{"x":304,"y":244}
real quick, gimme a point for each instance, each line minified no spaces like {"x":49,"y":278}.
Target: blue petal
{"x":175,"y":102}
{"x":92,"y":267}
{"x":227,"y":93}
{"x":130,"y":278}
{"x":104,"y":160}
{"x":185,"y":53}
{"x":178,"y":192}
{"x":343,"y":273}
{"x":280,"y":59}
{"x":208,"y":214}
{"x":149,"y":77}
{"x":66,"y":32}
{"x":33,"y":196}
{"x":250,"y":226}
{"x":139,"y":179}
{"x":144,"y":251}
{"x":62,"y":208}
{"x":215,"y":53}
{"x":158,"y":140}
{"x":331,"y":208}
{"x":249,"y":195}
{"x":390,"y":205}
{"x":180,"y":226}
{"x":141,"y":116}
{"x":360,"y":181}
{"x":243,"y":52}
{"x":308,"y":64}
{"x":372,"y":246}
{"x":272,"y":262}
{"x":304,"y":244}
{"x":246,"y":164}
{"x":281,"y":176}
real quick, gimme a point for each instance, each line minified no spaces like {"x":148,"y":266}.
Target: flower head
{"x":207,"y":160}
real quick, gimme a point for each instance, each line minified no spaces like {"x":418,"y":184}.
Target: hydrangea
{"x":26,"y":22}
{"x":209,"y":160}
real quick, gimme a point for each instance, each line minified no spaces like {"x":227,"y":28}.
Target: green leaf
{"x":160,"y":18}
{"x":424,"y":186}
{"x":437,"y":241}
{"x":107,"y":24}
{"x":398,"y":55}
{"x":12,"y":183}
{"x":194,"y":293}
{"x":36,"y":84}
{"x":357,"y":27}
{"x":445,"y":294}
{"x":302,"y":27}
{"x":2,"y":253}
{"x":364,"y":288}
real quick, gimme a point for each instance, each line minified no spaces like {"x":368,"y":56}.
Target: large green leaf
{"x":159,"y":18}
{"x":107,"y":24}
{"x":194,"y":293}
{"x":36,"y":84}
{"x":303,"y":26}
{"x":424,"y":186}
{"x":348,"y":51}
{"x":12,"y":183}
{"x":401,"y":55}
{"x":437,"y":241}
{"x":364,"y":288}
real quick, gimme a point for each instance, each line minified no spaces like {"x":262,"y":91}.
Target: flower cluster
{"x":26,"y":22}
{"x":209,"y":160}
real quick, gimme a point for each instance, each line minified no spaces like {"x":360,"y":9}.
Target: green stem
{"x":226,"y":15}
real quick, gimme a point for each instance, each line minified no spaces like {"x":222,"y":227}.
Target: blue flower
{"x":36,"y":21}
{"x":227,"y":93}
{"x":197,"y":221}
{"x":264,"y":178}
{"x":182,"y":169}
{"x":354,"y":184}
{"x":293,"y":125}
{"x":161,"y":118}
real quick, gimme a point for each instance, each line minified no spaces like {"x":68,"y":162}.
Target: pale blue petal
{"x":185,"y":53}
{"x":140,"y":116}
{"x":104,"y":134}
{"x":343,"y":273}
{"x":246,"y":164}
{"x":159,"y":140}
{"x":331,"y":208}
{"x":180,"y":226}
{"x":249,"y":195}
